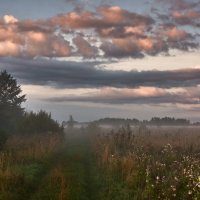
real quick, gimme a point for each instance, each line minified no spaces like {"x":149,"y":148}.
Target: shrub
{"x":40,"y":122}
{"x":3,"y":138}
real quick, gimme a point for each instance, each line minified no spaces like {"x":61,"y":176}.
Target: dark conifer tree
{"x":11,"y":98}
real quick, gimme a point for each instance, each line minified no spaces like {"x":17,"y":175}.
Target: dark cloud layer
{"x":62,"y":74}
{"x":166,"y":98}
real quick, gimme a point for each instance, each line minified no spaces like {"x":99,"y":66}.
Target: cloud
{"x":141,"y":95}
{"x":180,"y":4}
{"x":29,"y":39}
{"x":133,"y":47}
{"x":174,"y":34}
{"x":127,"y":34}
{"x":119,"y":33}
{"x":8,"y":48}
{"x":84,"y":48}
{"x":118,"y":49}
{"x":181,"y":12}
{"x":117,"y":17}
{"x":66,"y":74}
{"x":39,"y":38}
{"x":43,"y":26}
{"x":10,"y":34}
{"x":40,"y":44}
{"x":9,"y":19}
{"x":190,"y":17}
{"x":85,"y":82}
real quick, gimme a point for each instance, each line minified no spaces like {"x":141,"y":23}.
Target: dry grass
{"x":22,"y":160}
{"x":153,"y":163}
{"x":57,"y":176}
{"x":34,"y":147}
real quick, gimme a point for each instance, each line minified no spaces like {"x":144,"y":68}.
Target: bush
{"x":40,"y":122}
{"x":3,"y":139}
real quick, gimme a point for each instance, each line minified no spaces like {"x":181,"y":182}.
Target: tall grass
{"x":124,"y":164}
{"x":24,"y":159}
{"x":151,"y":163}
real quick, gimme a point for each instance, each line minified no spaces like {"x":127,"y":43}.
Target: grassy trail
{"x":73,"y":176}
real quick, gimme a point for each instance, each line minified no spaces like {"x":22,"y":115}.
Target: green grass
{"x":75,"y":174}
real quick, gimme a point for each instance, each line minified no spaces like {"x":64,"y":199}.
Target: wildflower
{"x":189,"y":192}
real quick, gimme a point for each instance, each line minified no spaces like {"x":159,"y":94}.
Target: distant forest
{"x":168,"y":121}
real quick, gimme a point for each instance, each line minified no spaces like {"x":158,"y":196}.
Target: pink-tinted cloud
{"x":189,"y":17}
{"x":118,"y":32}
{"x":76,"y":20}
{"x":133,"y":46}
{"x":182,"y":12}
{"x":117,"y":15}
{"x":113,"y":14}
{"x":136,"y":30}
{"x":141,"y":95}
{"x":105,"y":17}
{"x":130,"y":44}
{"x":137,"y":92}
{"x":84,"y":48}
{"x":35,"y":25}
{"x":10,"y":33}
{"x":40,"y":44}
{"x":8,"y":48}
{"x":174,"y":34}
{"x":31,"y":39}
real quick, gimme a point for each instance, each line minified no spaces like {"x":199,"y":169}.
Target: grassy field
{"x":24,"y":161}
{"x":96,"y":164}
{"x":151,"y":163}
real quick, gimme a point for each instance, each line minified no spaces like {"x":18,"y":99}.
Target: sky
{"x":104,"y":58}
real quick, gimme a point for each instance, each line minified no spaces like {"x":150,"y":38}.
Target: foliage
{"x":168,"y":121}
{"x":3,"y":138}
{"x":37,"y":123}
{"x":10,"y":102}
{"x":116,"y":122}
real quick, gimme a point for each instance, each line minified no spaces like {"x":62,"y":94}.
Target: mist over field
{"x":100,"y":100}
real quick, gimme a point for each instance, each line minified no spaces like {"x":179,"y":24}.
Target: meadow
{"x":24,"y":161}
{"x":140,"y":163}
{"x":151,"y":163}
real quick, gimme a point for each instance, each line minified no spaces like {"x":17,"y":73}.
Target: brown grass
{"x":21,"y":151}
{"x":157,"y":163}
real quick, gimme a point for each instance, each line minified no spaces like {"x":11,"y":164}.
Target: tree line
{"x":14,"y":119}
{"x":153,"y":121}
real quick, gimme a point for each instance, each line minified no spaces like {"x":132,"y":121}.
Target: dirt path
{"x":81,"y":168}
{"x":74,"y":176}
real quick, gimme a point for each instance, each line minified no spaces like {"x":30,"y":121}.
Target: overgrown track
{"x":74,"y":173}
